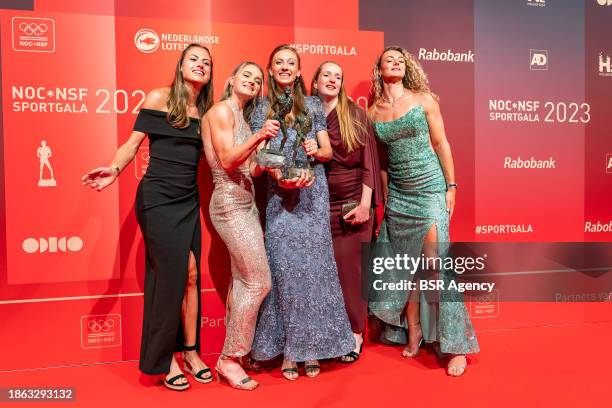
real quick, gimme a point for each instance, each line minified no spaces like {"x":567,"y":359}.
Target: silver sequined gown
{"x":236,"y":219}
{"x":416,"y":203}
{"x":304,"y":316}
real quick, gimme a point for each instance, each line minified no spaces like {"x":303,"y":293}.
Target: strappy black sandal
{"x":200,"y":375}
{"x":353,"y":355}
{"x":170,"y":383}
{"x":290,"y":370}
{"x":312,"y":370}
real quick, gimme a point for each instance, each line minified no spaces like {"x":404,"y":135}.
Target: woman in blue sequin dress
{"x":303,"y":317}
{"x":419,"y":188}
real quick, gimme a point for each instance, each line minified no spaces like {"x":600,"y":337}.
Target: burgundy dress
{"x":346,"y":172}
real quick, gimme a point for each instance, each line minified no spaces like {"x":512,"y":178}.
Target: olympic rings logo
{"x":33,"y":28}
{"x":98,"y":326}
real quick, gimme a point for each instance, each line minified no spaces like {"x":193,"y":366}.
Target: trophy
{"x":273,"y":158}
{"x":302,"y":126}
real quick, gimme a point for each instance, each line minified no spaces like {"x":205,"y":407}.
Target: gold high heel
{"x":239,"y":385}
{"x":411,"y":354}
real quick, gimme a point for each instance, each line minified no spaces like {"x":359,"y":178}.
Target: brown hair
{"x":350,"y":126}
{"x":414,"y":79}
{"x":227,"y":92}
{"x":299,"y":88}
{"x":177,"y":100}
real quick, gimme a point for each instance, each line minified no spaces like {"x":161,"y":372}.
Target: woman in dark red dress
{"x":354,"y":189}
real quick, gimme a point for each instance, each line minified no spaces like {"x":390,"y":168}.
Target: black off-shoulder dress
{"x":168,"y":212}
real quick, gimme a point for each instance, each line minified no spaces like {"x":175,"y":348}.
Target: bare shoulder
{"x":359,"y":113}
{"x":372,"y":111}
{"x":220,"y":114}
{"x":429,"y":103}
{"x":157,"y":99}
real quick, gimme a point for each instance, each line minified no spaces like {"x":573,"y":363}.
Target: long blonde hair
{"x":227,"y":91}
{"x":177,"y":100}
{"x":299,"y":88}
{"x":414,"y":79}
{"x":350,"y":127}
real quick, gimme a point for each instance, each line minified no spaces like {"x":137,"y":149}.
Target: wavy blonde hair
{"x":350,"y":126}
{"x":227,"y":92}
{"x":415,"y":79}
{"x":274,"y":90}
{"x":177,"y":100}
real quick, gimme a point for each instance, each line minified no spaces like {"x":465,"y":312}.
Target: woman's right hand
{"x":297,"y":182}
{"x":100,"y":177}
{"x":269,"y":129}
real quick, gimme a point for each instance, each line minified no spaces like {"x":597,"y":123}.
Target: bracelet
{"x":117,"y":169}
{"x":451,"y":185}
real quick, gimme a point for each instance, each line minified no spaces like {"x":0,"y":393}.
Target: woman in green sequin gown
{"x":419,"y":187}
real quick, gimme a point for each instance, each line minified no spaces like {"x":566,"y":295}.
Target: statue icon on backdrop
{"x":43,"y":153}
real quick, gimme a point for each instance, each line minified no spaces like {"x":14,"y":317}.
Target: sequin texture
{"x":304,"y":316}
{"x":416,"y":203}
{"x":235,"y":217}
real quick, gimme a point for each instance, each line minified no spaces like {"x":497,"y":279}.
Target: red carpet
{"x":560,"y":366}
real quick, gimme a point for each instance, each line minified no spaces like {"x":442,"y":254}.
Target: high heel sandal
{"x":353,"y":355}
{"x":290,"y":370}
{"x":199,"y":376}
{"x":313,"y":369}
{"x":411,"y":354}
{"x":239,"y":385}
{"x":457,"y":370}
{"x":170,"y":383}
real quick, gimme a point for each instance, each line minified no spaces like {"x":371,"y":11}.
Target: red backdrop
{"x":75,"y":73}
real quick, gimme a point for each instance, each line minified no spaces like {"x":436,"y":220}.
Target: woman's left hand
{"x":357,"y":215}
{"x":310,"y":147}
{"x":450,"y":201}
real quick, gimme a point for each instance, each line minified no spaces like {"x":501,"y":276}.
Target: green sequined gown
{"x":417,"y":202}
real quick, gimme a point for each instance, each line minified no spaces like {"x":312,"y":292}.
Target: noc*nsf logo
{"x":146,"y":40}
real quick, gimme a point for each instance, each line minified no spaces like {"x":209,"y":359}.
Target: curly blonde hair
{"x":415,"y":79}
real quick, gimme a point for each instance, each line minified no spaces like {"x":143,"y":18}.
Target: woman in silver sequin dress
{"x":229,"y":146}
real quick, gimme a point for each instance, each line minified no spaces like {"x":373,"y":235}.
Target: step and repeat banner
{"x":524,"y":89}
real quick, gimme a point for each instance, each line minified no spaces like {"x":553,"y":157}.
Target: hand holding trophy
{"x":269,"y":157}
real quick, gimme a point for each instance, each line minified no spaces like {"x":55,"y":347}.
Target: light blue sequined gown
{"x":303,"y":316}
{"x":417,"y":202}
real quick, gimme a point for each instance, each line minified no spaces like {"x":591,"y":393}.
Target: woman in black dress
{"x":168,"y":212}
